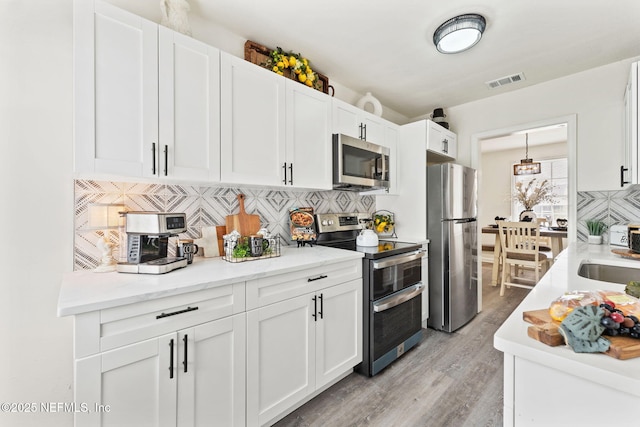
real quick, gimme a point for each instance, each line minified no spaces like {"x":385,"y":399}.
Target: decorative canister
{"x":631,"y":228}
{"x":634,"y":242}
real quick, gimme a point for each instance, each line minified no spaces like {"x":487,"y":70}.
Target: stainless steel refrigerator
{"x":452,"y":231}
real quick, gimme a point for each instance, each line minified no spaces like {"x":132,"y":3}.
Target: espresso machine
{"x":148,"y":236}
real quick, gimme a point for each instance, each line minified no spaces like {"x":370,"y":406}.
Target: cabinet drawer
{"x":118,"y":326}
{"x":268,"y":290}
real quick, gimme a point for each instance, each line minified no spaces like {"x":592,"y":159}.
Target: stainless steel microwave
{"x":359,"y":165}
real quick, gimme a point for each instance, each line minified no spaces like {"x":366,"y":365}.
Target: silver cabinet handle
{"x":398,"y":298}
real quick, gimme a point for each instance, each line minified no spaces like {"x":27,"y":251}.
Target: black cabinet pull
{"x":622,"y":171}
{"x":284,"y":167}
{"x":185,"y":340}
{"x":153,"y":158}
{"x":313,"y":279}
{"x":290,"y":173}
{"x":166,"y":159}
{"x":171,"y":358}
{"x":186,"y":310}
{"x":321,"y":306}
{"x":315,"y":308}
{"x":365,"y":132}
{"x":445,"y":146}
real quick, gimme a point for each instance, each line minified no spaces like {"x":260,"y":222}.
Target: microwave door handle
{"x":398,"y":298}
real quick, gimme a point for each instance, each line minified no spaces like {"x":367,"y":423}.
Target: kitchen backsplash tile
{"x":204,"y":206}
{"x":612,"y":207}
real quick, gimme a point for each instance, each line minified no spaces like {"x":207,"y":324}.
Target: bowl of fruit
{"x":383,"y":223}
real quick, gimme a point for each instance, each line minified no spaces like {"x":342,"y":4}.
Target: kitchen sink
{"x":609,"y":273}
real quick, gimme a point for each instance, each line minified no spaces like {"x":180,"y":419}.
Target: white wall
{"x":495,"y":182}
{"x":595,"y":96}
{"x":36,"y":196}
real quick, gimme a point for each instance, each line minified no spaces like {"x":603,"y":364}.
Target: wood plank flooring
{"x":448,"y":380}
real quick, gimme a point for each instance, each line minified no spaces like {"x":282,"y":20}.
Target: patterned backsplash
{"x":204,"y":206}
{"x":612,"y":207}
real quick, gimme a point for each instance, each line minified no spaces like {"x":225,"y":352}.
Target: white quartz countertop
{"x":84,"y":291}
{"x":512,"y":336}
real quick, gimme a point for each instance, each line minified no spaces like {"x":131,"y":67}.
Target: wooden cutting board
{"x":244,"y":223}
{"x":545,"y":330}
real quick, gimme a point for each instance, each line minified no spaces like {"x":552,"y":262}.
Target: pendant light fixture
{"x":527,"y":166}
{"x":460,"y":33}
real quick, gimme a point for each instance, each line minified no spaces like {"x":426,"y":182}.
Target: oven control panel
{"x":331,"y":222}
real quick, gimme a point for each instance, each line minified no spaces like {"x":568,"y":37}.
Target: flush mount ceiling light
{"x":527,"y":166}
{"x":460,"y":33}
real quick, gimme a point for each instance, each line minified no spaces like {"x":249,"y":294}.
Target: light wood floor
{"x":448,"y":380}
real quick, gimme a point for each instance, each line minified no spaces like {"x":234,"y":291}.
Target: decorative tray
{"x":259,"y":55}
{"x":271,"y":251}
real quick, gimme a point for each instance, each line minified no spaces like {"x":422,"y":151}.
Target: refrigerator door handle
{"x":460,"y":220}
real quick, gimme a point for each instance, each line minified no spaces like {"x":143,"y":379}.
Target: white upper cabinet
{"x":189,"y":108}
{"x":116,"y":90}
{"x":629,"y":174}
{"x":308,"y":136}
{"x":252,"y":123}
{"x":353,"y":121}
{"x":274,"y":131}
{"x":146,"y":98}
{"x":442,"y":144}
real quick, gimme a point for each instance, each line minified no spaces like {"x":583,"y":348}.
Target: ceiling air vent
{"x":505,"y":80}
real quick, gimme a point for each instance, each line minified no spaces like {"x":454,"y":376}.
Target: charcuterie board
{"x":546,"y":330}
{"x":626,"y":253}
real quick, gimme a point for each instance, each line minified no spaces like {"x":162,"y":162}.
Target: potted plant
{"x":596,"y":228}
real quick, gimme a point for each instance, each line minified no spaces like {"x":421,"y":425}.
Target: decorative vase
{"x":527,"y":215}
{"x":595,"y":240}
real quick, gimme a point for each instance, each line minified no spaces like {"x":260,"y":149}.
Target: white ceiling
{"x":385,"y":47}
{"x":517,"y":140}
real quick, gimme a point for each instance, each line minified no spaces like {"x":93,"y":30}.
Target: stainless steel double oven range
{"x":392,"y":288}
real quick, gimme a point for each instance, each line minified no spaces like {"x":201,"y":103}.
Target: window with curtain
{"x":556,"y":171}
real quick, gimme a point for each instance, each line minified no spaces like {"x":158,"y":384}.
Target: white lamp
{"x":105,"y":217}
{"x":459,"y":33}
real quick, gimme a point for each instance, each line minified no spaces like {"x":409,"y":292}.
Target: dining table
{"x":555,"y":235}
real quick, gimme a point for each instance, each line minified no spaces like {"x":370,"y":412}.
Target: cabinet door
{"x":211,"y":386}
{"x":346,"y":119}
{"x":630,"y":161}
{"x":116,"y":90}
{"x":338,"y":331}
{"x":189,"y":108}
{"x":374,"y":128}
{"x":308,"y":148}
{"x":440,"y":141}
{"x":135,"y":385}
{"x":252,"y":123}
{"x":280,"y":357}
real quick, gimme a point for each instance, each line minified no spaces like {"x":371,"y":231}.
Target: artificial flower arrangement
{"x":280,"y":61}
{"x":531,"y":194}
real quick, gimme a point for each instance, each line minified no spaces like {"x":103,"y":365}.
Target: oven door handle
{"x":398,"y":259}
{"x":398,"y":298}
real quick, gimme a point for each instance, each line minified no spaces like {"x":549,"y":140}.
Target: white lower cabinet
{"x":186,"y":378}
{"x":128,"y":386}
{"x":297,"y":346}
{"x":242,"y":354}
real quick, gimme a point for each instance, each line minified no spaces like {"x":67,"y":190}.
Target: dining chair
{"x":520,"y":247}
{"x":544,"y":241}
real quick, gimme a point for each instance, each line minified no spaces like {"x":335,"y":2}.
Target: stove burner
{"x":340,"y":231}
